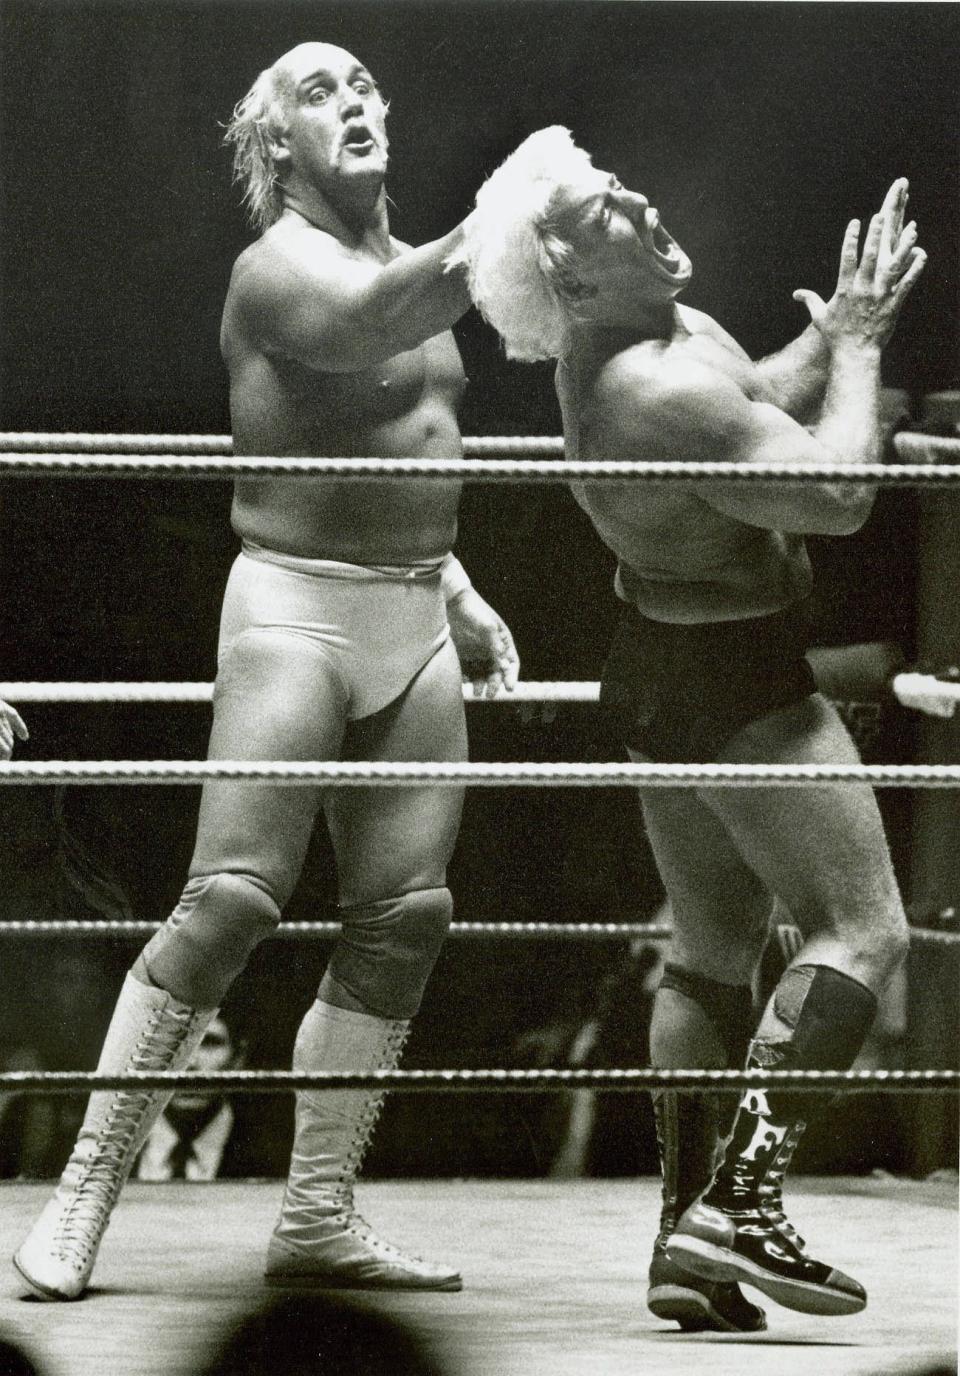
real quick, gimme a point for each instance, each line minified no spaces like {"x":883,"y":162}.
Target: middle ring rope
{"x":409,"y":773}
{"x":496,"y":1080}
{"x":57,"y":465}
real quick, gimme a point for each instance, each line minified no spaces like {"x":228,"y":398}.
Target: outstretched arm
{"x":310,"y":302}
{"x":796,"y":376}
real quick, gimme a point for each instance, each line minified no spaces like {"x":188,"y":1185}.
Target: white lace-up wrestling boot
{"x":150,"y":1030}
{"x":320,"y":1240}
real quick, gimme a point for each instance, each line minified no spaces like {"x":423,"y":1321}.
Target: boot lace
{"x":94,"y":1190}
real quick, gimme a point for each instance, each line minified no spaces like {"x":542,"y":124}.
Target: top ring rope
{"x":45,"y":461}
{"x":39,"y":442}
{"x":123,"y":691}
{"x":577,"y":690}
{"x":444,"y":774}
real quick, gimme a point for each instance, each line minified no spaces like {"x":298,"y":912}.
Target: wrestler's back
{"x":404,"y":407}
{"x":680,"y":560}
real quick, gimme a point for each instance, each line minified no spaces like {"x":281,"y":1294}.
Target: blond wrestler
{"x":346,"y":626}
{"x":709,"y":664}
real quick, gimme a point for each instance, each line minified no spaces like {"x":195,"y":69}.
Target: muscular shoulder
{"x":664,"y":398}
{"x":286,"y":262}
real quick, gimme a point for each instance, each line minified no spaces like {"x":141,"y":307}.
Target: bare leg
{"x":823,"y":852}
{"x":392,"y":847}
{"x":702,"y":1017}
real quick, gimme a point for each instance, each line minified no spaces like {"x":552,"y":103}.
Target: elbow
{"x":846,"y":511}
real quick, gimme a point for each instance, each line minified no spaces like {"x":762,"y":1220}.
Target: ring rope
{"x":498,"y":1080}
{"x":61,"y":465}
{"x":576,"y":690}
{"x":81,"y":442}
{"x":323,"y":931}
{"x":409,"y":773}
{"x":908,"y":444}
{"x":126,"y":691}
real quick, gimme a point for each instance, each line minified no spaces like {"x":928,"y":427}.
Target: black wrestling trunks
{"x":677,"y":693}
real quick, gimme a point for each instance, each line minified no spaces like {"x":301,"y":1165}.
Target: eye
{"x":363,"y":87}
{"x":319,"y":95}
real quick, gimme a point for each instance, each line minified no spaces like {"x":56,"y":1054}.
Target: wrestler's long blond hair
{"x":517,"y":261}
{"x":254,"y":118}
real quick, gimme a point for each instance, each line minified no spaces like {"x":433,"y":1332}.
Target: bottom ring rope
{"x":444,"y":774}
{"x":497,"y":1081}
{"x":324,"y":931}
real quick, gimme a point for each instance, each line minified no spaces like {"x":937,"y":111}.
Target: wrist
{"x":454,"y":579}
{"x":857,"y":351}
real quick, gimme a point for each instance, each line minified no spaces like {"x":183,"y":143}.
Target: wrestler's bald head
{"x":264,"y":111}
{"x":300,"y":62}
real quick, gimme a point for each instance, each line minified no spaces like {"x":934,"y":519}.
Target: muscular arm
{"x":306,"y":299}
{"x":796,"y":376}
{"x":691,"y":411}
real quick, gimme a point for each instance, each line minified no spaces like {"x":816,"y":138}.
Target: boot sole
{"x":319,"y":1282}
{"x":719,"y":1263}
{"x":38,"y":1291}
{"x":690,"y":1309}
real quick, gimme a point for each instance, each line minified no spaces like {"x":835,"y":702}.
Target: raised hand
{"x":873,"y":285}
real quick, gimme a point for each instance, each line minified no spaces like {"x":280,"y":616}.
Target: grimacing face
{"x":619,"y":243}
{"x":335,"y":118}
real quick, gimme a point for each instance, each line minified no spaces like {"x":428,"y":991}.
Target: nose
{"x":634,"y":203}
{"x":351,"y":102}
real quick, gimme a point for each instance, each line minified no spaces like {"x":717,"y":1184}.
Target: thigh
{"x":394,"y":840}
{"x":720,"y":908}
{"x":822,"y":850}
{"x":277,"y":698}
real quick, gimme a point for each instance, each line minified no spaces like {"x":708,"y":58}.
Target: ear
{"x":574,"y":289}
{"x":276,"y":141}
{"x":275,"y":137}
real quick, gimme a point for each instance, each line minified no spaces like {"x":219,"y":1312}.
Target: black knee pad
{"x":830,"y":1014}
{"x":728,"y":1006}
{"x":208,"y":938}
{"x":387,"y":950}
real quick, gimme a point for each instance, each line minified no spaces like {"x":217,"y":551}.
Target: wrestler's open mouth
{"x":358,"y":138}
{"x":667,"y":251}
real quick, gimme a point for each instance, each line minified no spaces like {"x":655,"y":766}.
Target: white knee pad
{"x":208,"y":938}
{"x":387,"y":950}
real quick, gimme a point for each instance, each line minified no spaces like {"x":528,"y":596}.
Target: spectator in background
{"x":196,"y":1136}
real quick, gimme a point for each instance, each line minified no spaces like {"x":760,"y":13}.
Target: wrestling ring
{"x":554,"y":1269}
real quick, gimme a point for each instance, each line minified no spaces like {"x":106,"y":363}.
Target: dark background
{"x":759,"y":129}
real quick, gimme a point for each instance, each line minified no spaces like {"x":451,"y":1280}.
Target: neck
{"x":359,"y":218}
{"x":619,"y":329}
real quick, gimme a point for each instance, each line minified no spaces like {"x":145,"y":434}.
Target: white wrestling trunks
{"x":377,"y":626}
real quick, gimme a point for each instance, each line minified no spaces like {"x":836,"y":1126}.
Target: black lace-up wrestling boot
{"x":687,"y":1138}
{"x":728,"y":1234}
{"x":737,"y":1230}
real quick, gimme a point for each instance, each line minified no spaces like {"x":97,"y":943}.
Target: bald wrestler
{"x":709,"y":664}
{"x":346,"y":624}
